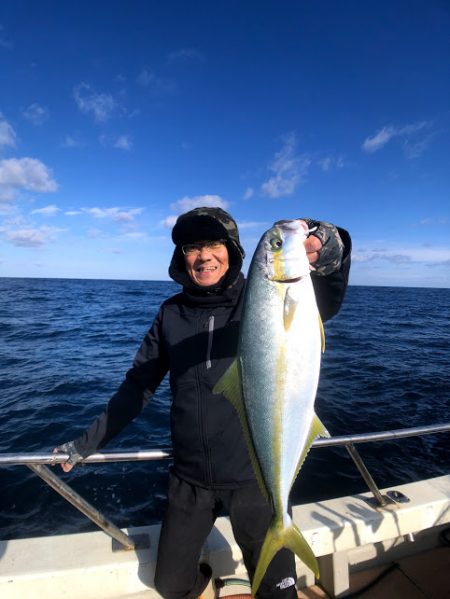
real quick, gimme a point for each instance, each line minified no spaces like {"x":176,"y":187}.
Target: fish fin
{"x":290,"y":305}
{"x":320,"y":429}
{"x":276,"y":538}
{"x":317,"y":429}
{"x":230,"y":385}
{"x":322,"y":332}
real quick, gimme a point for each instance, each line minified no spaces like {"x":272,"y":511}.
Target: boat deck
{"x":425,"y":575}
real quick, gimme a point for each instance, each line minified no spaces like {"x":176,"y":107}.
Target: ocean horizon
{"x":168,"y":280}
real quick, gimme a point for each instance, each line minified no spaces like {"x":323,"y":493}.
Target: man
{"x":194,"y":337}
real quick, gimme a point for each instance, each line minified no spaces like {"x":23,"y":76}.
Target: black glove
{"x":330,"y":255}
{"x":74,"y":456}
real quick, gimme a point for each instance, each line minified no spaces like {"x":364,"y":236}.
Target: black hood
{"x":206,"y":224}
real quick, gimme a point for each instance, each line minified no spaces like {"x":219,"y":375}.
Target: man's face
{"x":206,"y":262}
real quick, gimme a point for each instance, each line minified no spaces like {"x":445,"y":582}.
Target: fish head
{"x":282,"y":252}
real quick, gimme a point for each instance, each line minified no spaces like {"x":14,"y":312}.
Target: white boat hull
{"x":344,"y":533}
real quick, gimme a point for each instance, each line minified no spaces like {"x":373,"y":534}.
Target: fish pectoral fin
{"x":230,"y":385}
{"x":317,"y":429}
{"x":290,"y":305}
{"x":276,"y":538}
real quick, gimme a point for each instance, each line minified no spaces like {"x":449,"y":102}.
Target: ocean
{"x":65,"y":346}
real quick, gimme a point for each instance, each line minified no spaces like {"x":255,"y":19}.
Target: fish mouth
{"x":288,"y":281}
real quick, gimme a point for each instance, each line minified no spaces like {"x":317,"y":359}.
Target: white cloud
{"x":100,"y":105}
{"x":288,"y":168}
{"x":252,"y":224}
{"x":94,"y":233}
{"x":413,"y":128}
{"x":374,"y":256}
{"x":134,"y":235}
{"x":380,"y":139}
{"x":73,"y":212}
{"x":134,"y":113}
{"x":325,"y":163}
{"x":403,"y":255}
{"x":189,"y":203}
{"x":430,"y":221}
{"x":412,"y":147}
{"x":249,"y":193}
{"x":148,"y":79}
{"x":36,"y":114}
{"x":32,"y":237}
{"x":17,"y":220}
{"x":184,"y":55}
{"x":170,"y":221}
{"x":49,"y":210}
{"x":123,"y":142}
{"x":6,"y":208}
{"x":331,"y":162}
{"x":29,"y":174}
{"x":71,"y":142}
{"x":115,"y":214}
{"x":7,"y":194}
{"x":7,"y":133}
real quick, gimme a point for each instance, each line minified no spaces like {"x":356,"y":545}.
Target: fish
{"x":273,"y":381}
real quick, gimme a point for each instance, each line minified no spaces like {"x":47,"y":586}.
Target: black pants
{"x":189,"y":518}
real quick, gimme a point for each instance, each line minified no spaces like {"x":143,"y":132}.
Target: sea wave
{"x":65,"y":346}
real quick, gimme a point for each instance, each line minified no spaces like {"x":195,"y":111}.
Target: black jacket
{"x":194,"y":338}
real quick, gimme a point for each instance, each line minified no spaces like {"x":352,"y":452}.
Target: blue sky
{"x":115,"y":117}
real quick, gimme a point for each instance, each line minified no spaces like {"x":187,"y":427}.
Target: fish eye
{"x":276,"y":243}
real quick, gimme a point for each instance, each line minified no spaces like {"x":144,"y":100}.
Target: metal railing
{"x":36,"y":462}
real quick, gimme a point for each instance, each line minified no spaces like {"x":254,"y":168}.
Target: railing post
{"x":354,"y":454}
{"x":81,"y":504}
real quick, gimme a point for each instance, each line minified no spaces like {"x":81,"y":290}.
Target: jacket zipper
{"x":210,"y":340}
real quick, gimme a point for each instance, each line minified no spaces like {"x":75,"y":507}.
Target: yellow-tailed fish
{"x":273,"y":381}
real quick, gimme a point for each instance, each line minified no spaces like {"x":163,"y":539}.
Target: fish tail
{"x":276,"y":538}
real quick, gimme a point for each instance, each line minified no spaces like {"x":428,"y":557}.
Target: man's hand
{"x":74,"y":456}
{"x":313,"y":245}
{"x":324,"y":247}
{"x":66,"y":466}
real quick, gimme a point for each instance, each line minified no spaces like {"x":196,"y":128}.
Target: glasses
{"x":189,"y":249}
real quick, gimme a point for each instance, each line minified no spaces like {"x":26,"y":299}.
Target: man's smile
{"x":206,"y":268}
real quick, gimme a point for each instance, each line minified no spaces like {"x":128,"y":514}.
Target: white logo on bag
{"x":286,"y":583}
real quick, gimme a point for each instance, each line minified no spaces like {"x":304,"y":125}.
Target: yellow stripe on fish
{"x":277,"y":422}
